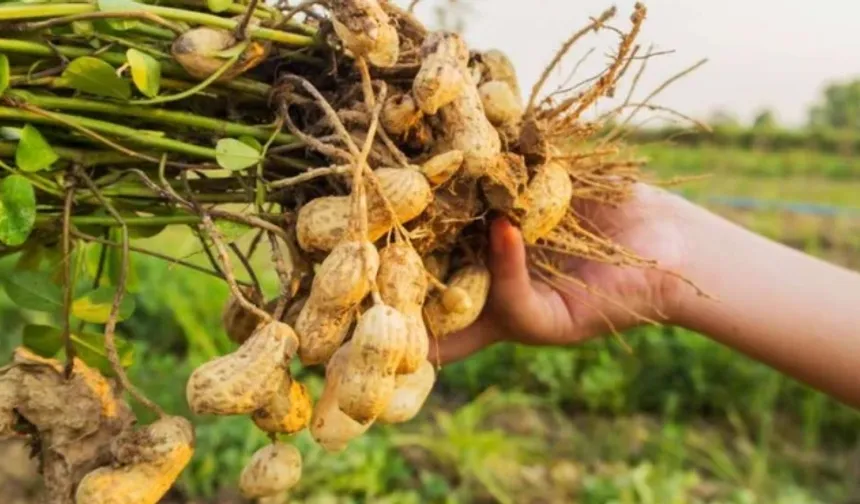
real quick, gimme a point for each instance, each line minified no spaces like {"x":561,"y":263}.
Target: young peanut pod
{"x":548,"y":196}
{"x":366,"y":31}
{"x":330,"y":427}
{"x":496,"y":66}
{"x":323,"y":222}
{"x":472,"y":280}
{"x":403,"y":284}
{"x":467,"y":129}
{"x":288,"y":412}
{"x":501,"y":105}
{"x":273,"y":469}
{"x":442,"y":76}
{"x":239,"y":322}
{"x":410,"y":393}
{"x":377,"y":347}
{"x":440,"y":168}
{"x":245,"y":380}
{"x":400,"y":114}
{"x":148,"y":463}
{"x":196,"y":51}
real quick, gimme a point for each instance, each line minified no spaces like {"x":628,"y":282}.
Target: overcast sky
{"x":762,"y":53}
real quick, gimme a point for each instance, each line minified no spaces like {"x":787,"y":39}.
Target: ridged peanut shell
{"x":410,"y":393}
{"x":322,"y":222}
{"x":273,"y":469}
{"x":321,"y":332}
{"x":245,"y":380}
{"x":498,"y":67}
{"x":441,"y":167}
{"x":400,"y":114}
{"x":442,"y":76}
{"x":377,"y":346}
{"x":345,"y":276}
{"x":365,"y":30}
{"x":474,"y":280}
{"x":194,"y":50}
{"x":288,"y":412}
{"x":548,"y":196}
{"x":150,"y":469}
{"x":330,"y":427}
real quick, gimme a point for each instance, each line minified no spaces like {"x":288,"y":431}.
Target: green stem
{"x":115,"y":130}
{"x":109,"y":221}
{"x":17,"y":11}
{"x":79,"y":156}
{"x":153,"y":114}
{"x":39,"y":49}
{"x":145,"y":193}
{"x":36,"y":180}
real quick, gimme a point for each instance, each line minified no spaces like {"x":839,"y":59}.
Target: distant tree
{"x":765,"y":120}
{"x":839,"y":107}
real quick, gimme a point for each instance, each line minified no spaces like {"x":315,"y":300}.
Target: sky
{"x":776,"y":54}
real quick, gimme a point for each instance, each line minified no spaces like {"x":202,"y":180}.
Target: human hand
{"x":527,"y":310}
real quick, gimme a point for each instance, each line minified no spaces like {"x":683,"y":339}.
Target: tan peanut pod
{"x":195,"y":50}
{"x":245,"y":380}
{"x":377,"y":346}
{"x":440,"y":168}
{"x":330,"y":427}
{"x":273,"y":469}
{"x":410,"y":393}
{"x":442,"y":76}
{"x":288,"y":412}
{"x":403,"y":283}
{"x":501,"y":106}
{"x":322,"y":223}
{"x":548,"y":196}
{"x":400,"y":114}
{"x":474,"y":280}
{"x":366,"y":31}
{"x":345,"y":276}
{"x":456,"y":300}
{"x":498,"y":67}
{"x":148,"y":464}
{"x":238,"y":322}
{"x":467,"y":129}
{"x":322,"y":332}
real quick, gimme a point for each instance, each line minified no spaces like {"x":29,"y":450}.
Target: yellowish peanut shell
{"x":322,"y":222}
{"x":195,"y":50}
{"x":273,"y":469}
{"x":365,"y":30}
{"x":456,"y":300}
{"x":410,"y":393}
{"x":442,"y":76}
{"x":498,"y":67}
{"x":501,"y":105}
{"x":400,"y":114}
{"x":440,"y":168}
{"x":245,"y":380}
{"x":345,"y":276}
{"x":143,"y":481}
{"x":377,"y":347}
{"x":474,"y":280}
{"x":288,"y":412}
{"x":548,"y":196}
{"x":330,"y":427}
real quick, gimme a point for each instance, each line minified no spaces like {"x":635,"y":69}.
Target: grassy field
{"x":679,"y":420}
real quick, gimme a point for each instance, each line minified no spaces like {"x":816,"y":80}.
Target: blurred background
{"x":678,"y":420}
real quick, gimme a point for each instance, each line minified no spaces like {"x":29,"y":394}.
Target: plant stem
{"x":153,"y":114}
{"x":16,"y":12}
{"x":115,"y":58}
{"x":79,"y":156}
{"x":114,"y":130}
{"x":108,"y":221}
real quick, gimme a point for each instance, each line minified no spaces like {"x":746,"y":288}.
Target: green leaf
{"x":33,"y":290}
{"x":83,"y":28}
{"x":17,"y":210}
{"x":47,"y":341}
{"x":251,"y":141}
{"x":34,"y":153}
{"x":145,"y":72}
{"x":92,"y":75}
{"x":219,"y":5}
{"x":10,"y":133}
{"x":234,"y":155}
{"x":4,"y":73}
{"x":95,"y":306}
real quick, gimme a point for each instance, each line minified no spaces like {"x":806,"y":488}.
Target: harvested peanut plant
{"x":365,"y":151}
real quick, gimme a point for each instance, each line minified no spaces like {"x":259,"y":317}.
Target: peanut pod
{"x":410,"y":393}
{"x":196,"y":50}
{"x":288,"y":412}
{"x":472,"y":280}
{"x":148,"y":463}
{"x":366,"y":31}
{"x":440,"y":168}
{"x":273,"y":469}
{"x":238,"y":321}
{"x":442,"y":76}
{"x":548,"y":198}
{"x":376,"y":349}
{"x":245,"y":380}
{"x":501,"y":105}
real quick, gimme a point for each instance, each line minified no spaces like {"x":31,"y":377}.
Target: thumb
{"x":511,"y":280}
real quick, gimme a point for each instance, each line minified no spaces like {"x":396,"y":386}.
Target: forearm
{"x":791,"y":311}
